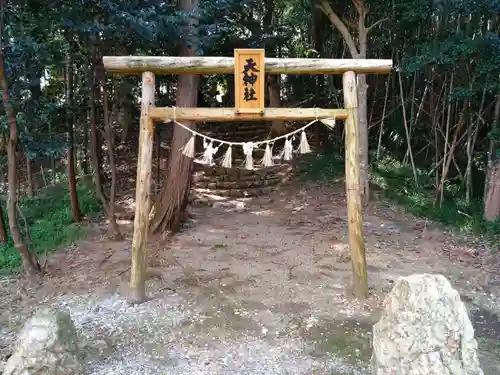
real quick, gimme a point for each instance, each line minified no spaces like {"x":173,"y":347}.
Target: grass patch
{"x":219,"y":246}
{"x":49,"y":219}
{"x":397,"y":183}
{"x":489,"y":345}
{"x":324,"y":167}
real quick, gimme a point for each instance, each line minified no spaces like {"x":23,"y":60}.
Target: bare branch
{"x":326,"y":8}
{"x":368,"y":29}
{"x":360,"y":6}
{"x":349,"y":23}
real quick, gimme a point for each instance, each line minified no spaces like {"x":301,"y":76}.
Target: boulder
{"x":47,"y":345}
{"x":424,"y":330}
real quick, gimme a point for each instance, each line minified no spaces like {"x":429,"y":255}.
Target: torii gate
{"x":249,"y":107}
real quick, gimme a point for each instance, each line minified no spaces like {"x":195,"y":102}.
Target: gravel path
{"x":174,"y":334}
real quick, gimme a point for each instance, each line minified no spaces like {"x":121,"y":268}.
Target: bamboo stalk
{"x":472,"y":133}
{"x":446,"y":165}
{"x":381,"y":132}
{"x":414,"y":119}
{"x":446,"y":143}
{"x":408,"y":136}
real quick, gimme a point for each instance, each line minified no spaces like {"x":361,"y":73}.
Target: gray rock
{"x":424,"y":330}
{"x":235,"y":206}
{"x":47,"y":345}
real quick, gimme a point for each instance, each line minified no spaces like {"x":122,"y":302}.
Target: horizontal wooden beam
{"x":230,"y":114}
{"x":129,"y":65}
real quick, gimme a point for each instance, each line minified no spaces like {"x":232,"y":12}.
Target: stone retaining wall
{"x":236,"y":182}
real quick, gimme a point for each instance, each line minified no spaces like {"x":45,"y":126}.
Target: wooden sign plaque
{"x":249,"y":80}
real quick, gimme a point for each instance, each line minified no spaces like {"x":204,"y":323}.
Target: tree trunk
{"x":447,"y":160}
{"x":278,"y":126}
{"x":492,"y":191}
{"x":35,"y":88}
{"x":122,"y":106}
{"x":113,"y":226}
{"x":85,"y":146}
{"x":3,"y":230}
{"x":493,"y":142}
{"x":75,"y":208}
{"x":29,"y":176}
{"x":273,"y":81}
{"x":94,"y":143}
{"x":363,"y":138}
{"x":407,"y":130}
{"x":492,"y":199}
{"x":170,"y":209}
{"x":446,"y":142}
{"x":381,"y":131}
{"x":472,"y":134}
{"x":321,"y":133}
{"x":30,"y":262}
{"x":358,"y":51}
{"x":97,"y":77}
{"x":94,"y":134}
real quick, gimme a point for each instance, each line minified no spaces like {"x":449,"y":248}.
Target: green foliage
{"x":397,"y":184}
{"x":324,"y":167}
{"x":49,"y":219}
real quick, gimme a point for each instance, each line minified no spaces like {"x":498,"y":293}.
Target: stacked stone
{"x":239,"y":182}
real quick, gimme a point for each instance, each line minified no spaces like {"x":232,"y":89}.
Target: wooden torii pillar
{"x":148,"y":66}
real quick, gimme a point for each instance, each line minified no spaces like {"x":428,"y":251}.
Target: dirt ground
{"x":254,"y":286}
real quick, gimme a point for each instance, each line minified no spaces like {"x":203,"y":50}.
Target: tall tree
{"x":358,"y":51}
{"x":171,"y":207}
{"x":3,"y":230}
{"x":70,"y":117}
{"x":30,"y":262}
{"x":492,"y":190}
{"x":273,"y":80}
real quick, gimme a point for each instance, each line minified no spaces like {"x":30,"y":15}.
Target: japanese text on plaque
{"x":250,"y":79}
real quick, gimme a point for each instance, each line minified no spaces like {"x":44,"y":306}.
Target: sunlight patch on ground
{"x":263,"y":213}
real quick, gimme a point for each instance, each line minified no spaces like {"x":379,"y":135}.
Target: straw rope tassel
{"x":188,"y":148}
{"x":227,"y":160}
{"x":304,"y":147}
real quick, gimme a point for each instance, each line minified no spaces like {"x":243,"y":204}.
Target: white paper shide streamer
{"x":304,"y":147}
{"x":208,"y":155}
{"x":328,"y":122}
{"x":288,"y":149}
{"x":267,"y":160}
{"x":248,"y":151}
{"x":210,"y":151}
{"x":227,"y":160}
